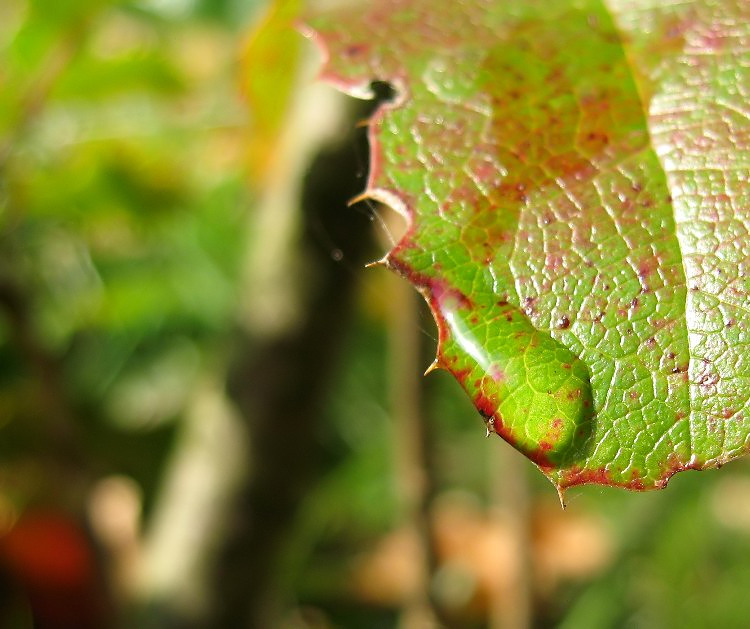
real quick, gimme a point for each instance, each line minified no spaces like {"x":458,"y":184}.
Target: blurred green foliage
{"x":124,"y":209}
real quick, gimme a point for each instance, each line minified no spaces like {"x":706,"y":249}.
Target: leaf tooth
{"x":434,"y":366}
{"x":362,"y":196}
{"x":561,"y":495}
{"x":381,"y":262}
{"x":387,"y":197}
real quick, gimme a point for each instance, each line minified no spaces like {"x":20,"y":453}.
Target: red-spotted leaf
{"x":575,"y":176}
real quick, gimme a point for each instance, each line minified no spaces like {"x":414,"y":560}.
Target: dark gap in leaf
{"x":384,"y":92}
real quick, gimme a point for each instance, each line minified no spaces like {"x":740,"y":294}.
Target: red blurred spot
{"x":48,"y":555}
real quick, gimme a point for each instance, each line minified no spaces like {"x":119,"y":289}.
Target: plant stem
{"x":512,"y":608}
{"x":414,"y":456}
{"x":279,"y":383}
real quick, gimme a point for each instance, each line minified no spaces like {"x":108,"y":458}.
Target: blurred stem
{"x":413,"y":446}
{"x":513,"y":608}
{"x":280,"y":380}
{"x":209,"y":458}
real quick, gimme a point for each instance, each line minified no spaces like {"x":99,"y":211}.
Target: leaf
{"x":575,"y":178}
{"x":270,"y":62}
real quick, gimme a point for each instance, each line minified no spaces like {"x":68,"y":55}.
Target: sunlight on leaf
{"x":574,"y":174}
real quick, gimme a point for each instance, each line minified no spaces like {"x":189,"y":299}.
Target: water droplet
{"x":542,"y":404}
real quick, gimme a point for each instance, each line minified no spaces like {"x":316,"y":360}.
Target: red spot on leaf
{"x":673,"y":465}
{"x":485,"y":405}
{"x":528,"y":305}
{"x":461,"y":374}
{"x":554,"y":262}
{"x":573,"y":394}
{"x":356,"y":50}
{"x":708,"y":380}
{"x":497,"y":374}
{"x":600,"y":476}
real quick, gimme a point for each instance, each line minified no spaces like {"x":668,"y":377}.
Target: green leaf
{"x":270,"y":63}
{"x":575,"y":176}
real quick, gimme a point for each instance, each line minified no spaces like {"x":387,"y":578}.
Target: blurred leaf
{"x":139,"y":71}
{"x":270,"y":62}
{"x":122,"y":206}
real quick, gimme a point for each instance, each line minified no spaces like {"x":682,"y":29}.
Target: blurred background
{"x":211,"y":415}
